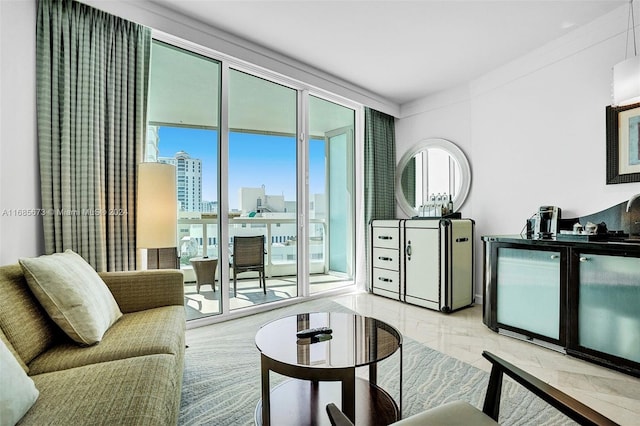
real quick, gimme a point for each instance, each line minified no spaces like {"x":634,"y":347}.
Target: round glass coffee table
{"x":323,"y":369}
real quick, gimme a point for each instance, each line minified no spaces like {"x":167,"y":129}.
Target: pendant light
{"x":626,"y":74}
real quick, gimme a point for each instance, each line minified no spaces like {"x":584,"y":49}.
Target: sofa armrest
{"x":139,"y":290}
{"x":337,"y":417}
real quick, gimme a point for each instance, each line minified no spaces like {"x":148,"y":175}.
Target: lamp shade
{"x":157,"y":207}
{"x":626,"y":82}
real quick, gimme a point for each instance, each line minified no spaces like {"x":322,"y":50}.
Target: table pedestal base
{"x":302,"y":402}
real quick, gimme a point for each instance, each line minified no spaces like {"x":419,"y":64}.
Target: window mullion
{"x":223,"y":189}
{"x":303,"y":193}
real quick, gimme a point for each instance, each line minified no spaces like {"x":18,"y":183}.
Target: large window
{"x":242,"y":160}
{"x":262,"y":184}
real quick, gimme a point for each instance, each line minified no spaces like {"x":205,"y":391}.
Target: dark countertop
{"x":578,"y":241}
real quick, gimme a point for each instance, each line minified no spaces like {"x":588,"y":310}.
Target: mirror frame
{"x":455,"y":152}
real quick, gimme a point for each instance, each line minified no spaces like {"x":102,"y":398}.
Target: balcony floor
{"x":249,"y":293}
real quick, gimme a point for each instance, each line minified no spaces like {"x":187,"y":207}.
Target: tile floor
{"x":249,"y":293}
{"x":463,"y":335}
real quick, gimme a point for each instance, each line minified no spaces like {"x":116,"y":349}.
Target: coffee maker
{"x":546,"y":221}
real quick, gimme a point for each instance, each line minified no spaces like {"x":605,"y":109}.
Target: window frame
{"x":304,"y":92}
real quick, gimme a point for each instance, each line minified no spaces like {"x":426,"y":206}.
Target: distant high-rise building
{"x":188,"y":180}
{"x":151,"y":151}
{"x":209,"y":207}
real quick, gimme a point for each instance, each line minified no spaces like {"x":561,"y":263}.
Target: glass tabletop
{"x":355,"y":340}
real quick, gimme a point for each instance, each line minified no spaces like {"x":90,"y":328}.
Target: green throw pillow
{"x":73,"y":294}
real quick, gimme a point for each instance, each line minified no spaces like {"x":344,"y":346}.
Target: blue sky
{"x":254,"y":160}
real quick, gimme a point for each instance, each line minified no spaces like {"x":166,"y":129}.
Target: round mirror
{"x":432,"y":167}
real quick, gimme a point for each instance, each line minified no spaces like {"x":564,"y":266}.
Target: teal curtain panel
{"x":379,"y":172}
{"x":408,"y":182}
{"x":379,"y":166}
{"x":92,"y":84}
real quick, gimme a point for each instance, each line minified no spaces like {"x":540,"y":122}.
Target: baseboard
{"x":478,"y":300}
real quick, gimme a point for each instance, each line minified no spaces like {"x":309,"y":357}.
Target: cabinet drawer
{"x":385,"y":258}
{"x":386,"y":237}
{"x":386,"y":280}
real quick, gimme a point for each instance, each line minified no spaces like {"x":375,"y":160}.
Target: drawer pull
{"x":384,"y":237}
{"x":584,"y":259}
{"x":462,"y":240}
{"x":385,"y":259}
{"x":554,"y":256}
{"x":385,"y":280}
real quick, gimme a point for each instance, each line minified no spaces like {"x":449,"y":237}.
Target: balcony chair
{"x":463,"y":413}
{"x":248,"y":255}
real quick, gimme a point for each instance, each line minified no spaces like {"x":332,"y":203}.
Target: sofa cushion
{"x":135,"y":391}
{"x":18,"y":392}
{"x":73,"y":295}
{"x":457,"y":413}
{"x":154,"y":331}
{"x":25,"y":324}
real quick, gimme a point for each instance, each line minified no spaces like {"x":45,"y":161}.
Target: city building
{"x":189,"y":180}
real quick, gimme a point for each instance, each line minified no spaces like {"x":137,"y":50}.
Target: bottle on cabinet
{"x":438,"y":205}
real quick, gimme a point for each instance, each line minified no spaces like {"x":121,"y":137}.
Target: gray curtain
{"x":92,"y":83}
{"x":379,"y":166}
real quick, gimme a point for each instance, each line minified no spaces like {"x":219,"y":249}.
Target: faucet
{"x":631,"y":200}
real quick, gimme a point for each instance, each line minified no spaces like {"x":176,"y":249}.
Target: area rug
{"x":222,"y":376}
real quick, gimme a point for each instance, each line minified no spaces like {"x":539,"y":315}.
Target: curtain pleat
{"x":92,"y":83}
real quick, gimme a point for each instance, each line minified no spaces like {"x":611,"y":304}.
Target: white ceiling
{"x":400,"y":50}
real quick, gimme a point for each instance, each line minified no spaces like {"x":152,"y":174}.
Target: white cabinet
{"x":385,"y":259}
{"x":428,"y":262}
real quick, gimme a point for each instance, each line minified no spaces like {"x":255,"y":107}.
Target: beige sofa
{"x":132,"y":377}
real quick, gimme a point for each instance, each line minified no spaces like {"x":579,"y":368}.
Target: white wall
{"x":533,"y":130}
{"x":19,"y":176}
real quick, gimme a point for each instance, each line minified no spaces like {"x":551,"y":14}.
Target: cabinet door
{"x":608,"y":301}
{"x":528,"y":290}
{"x":422,"y":267}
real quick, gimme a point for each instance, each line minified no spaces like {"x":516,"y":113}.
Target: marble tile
{"x":462,"y":335}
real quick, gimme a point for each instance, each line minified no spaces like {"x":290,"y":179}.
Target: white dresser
{"x":385,"y":261}
{"x":425,"y":262}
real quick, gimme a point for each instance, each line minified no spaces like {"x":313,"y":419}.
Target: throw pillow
{"x":18,"y":392}
{"x":73,"y":294}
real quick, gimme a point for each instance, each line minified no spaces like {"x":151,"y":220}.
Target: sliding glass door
{"x":183,"y":115}
{"x":262,"y":187}
{"x":331,"y":194}
{"x":255,"y":157}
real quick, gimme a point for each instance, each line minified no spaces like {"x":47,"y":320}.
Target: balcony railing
{"x":199,"y":237}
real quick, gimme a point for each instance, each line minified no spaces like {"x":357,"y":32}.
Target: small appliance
{"x":546,"y":221}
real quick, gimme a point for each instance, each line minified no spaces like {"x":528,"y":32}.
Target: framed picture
{"x":623,"y":144}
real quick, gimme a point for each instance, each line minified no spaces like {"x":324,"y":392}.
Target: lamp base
{"x":163,"y":258}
